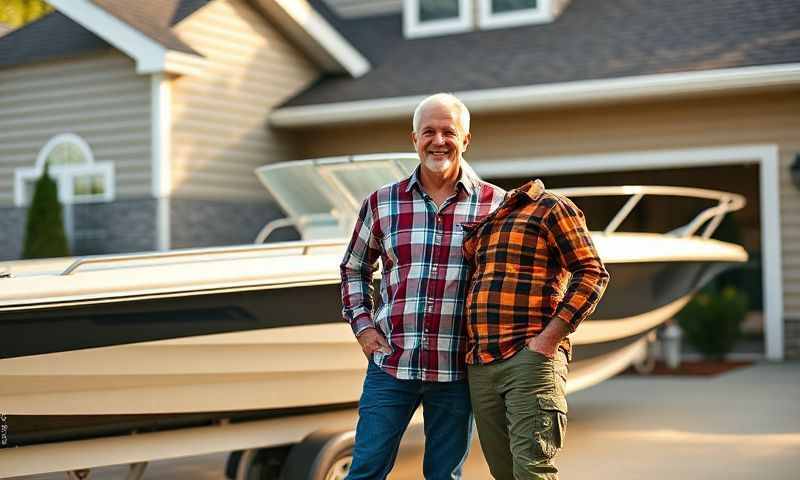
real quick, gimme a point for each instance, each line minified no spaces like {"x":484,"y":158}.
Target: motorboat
{"x":108,"y":345}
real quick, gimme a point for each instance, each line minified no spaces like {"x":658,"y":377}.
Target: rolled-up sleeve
{"x":571,"y":242}
{"x":357,"y":269}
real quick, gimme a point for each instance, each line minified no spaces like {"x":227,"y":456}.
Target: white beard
{"x":438,"y":167}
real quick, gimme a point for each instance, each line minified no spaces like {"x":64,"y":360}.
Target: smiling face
{"x":440,"y":139}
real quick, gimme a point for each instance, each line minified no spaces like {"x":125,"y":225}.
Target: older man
{"x":416,"y":342}
{"x":537,"y":276}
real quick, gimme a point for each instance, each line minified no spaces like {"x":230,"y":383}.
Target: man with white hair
{"x":415,"y":342}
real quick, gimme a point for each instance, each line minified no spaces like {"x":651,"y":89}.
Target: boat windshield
{"x":322,"y":197}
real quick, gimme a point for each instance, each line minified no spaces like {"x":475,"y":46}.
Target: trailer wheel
{"x":323,"y":455}
{"x":256,"y":464}
{"x":339,"y":467}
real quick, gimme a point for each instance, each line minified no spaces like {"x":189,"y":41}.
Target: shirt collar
{"x":468,"y":179}
{"x":533,"y":189}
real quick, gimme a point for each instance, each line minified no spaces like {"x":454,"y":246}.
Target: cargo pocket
{"x":551,"y":426}
{"x":560,"y":370}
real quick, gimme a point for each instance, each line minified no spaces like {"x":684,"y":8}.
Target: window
{"x":510,"y":13}
{"x":71,"y":164}
{"x":423,"y":18}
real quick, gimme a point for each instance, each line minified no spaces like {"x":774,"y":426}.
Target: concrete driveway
{"x":744,"y":424}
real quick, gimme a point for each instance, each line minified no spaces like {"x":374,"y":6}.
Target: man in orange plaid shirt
{"x":536,"y":276}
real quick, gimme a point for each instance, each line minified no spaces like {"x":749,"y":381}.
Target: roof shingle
{"x":590,"y":40}
{"x":56,"y":35}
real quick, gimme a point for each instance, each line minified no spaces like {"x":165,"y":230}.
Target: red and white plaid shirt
{"x":424,"y":277}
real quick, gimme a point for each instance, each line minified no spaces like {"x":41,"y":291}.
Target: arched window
{"x":71,"y":164}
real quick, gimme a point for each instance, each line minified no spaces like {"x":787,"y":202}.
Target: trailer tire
{"x":323,"y":455}
{"x":256,"y":464}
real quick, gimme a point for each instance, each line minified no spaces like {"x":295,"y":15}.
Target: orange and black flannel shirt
{"x":532,"y":261}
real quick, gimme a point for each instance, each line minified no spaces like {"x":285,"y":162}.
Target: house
{"x":154,"y":114}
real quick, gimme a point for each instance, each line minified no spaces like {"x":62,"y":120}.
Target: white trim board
{"x":161,"y":160}
{"x":319,"y":39}
{"x":150,"y":56}
{"x":555,"y":95}
{"x":766,"y":156}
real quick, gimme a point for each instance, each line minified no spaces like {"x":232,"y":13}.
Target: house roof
{"x":143,"y":30}
{"x":153,"y":18}
{"x":52,"y":36}
{"x":591,"y":40}
{"x":56,"y":35}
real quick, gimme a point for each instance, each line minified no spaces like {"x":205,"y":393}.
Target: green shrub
{"x":44,"y":231}
{"x":711,"y":321}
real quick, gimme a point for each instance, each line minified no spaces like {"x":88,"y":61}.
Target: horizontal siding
{"x":767,"y":118}
{"x":219,"y":121}
{"x":100,"y":98}
{"x":790,"y":221}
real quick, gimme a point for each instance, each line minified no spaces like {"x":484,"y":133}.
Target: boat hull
{"x":199,"y":381}
{"x":162,"y":361}
{"x":636,"y":289}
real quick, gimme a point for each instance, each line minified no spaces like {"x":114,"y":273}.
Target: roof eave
{"x":321,"y":41}
{"x":533,"y":97}
{"x":149,"y":55}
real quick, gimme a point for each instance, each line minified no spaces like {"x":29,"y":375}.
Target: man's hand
{"x":542,"y":345}
{"x":371,"y":341}
{"x":547,"y":342}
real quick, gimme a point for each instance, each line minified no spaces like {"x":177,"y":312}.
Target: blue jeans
{"x":385,"y":409}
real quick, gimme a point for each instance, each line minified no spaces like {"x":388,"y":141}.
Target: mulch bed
{"x":701,"y":368}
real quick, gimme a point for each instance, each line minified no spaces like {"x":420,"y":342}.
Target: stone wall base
{"x":210,"y":223}
{"x":791,"y":338}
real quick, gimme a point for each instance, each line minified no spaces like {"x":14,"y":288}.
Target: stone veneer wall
{"x":125,"y":226}
{"x":12,"y":231}
{"x":791,"y":338}
{"x":121,"y":226}
{"x":207,"y":223}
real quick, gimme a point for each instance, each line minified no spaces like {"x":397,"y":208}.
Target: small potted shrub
{"x":711,"y":321}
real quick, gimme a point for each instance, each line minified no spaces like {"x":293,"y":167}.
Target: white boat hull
{"x":271,"y":369}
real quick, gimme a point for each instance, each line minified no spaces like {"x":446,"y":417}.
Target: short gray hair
{"x":446,"y":99}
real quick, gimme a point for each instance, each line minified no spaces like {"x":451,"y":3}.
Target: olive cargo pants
{"x":520,"y":409}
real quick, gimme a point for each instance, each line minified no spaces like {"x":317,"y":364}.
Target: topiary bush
{"x":44,"y":230}
{"x":712,"y":320}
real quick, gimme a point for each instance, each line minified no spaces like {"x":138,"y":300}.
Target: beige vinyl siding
{"x":98,"y":97}
{"x":219,"y":117}
{"x":364,"y":8}
{"x":766,"y":118}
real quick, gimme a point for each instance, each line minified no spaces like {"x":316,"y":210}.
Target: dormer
{"x":425,"y":18}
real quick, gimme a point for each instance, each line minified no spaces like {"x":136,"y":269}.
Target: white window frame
{"x":414,"y":28}
{"x":64,"y":175}
{"x":487,"y":19}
